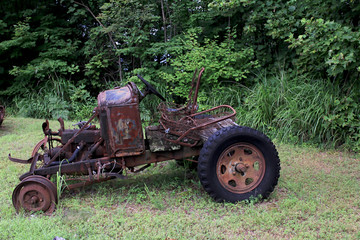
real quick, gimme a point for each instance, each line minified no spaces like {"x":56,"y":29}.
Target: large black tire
{"x":238,"y":163}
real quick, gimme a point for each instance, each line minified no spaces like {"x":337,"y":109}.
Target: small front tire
{"x":35,"y":193}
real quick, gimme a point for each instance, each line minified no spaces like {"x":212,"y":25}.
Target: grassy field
{"x":316,"y":198}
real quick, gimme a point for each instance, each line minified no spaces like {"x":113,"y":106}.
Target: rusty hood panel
{"x":121,"y":126}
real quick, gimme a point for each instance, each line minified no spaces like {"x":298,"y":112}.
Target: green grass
{"x":316,"y":198}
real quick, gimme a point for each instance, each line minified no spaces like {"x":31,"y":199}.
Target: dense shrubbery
{"x":303,"y":110}
{"x":295,"y":109}
{"x":57,"y":99}
{"x":57,"y":55}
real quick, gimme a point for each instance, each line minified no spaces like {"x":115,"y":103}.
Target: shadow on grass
{"x":6,"y":128}
{"x":163,"y":179}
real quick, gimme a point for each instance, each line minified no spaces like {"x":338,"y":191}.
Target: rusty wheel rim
{"x":34,"y":197}
{"x":41,"y":148}
{"x":240,"y":168}
{"x":45,"y":181}
{"x":35,"y":193}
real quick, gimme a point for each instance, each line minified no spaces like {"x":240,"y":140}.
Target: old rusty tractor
{"x":234,"y":163}
{"x":2,"y":114}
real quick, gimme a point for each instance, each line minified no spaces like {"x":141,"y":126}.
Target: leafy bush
{"x":224,"y":61}
{"x":59,"y":98}
{"x":326,"y":45}
{"x":82,"y":103}
{"x":343,"y":122}
{"x":43,"y":105}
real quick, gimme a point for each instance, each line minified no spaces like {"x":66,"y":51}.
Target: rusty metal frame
{"x":176,"y":127}
{"x":165,"y":122}
{"x":87,"y":167}
{"x":71,"y":140}
{"x":130,"y":161}
{"x":103,"y":154}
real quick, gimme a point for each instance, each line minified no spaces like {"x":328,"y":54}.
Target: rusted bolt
{"x":34,"y":199}
{"x":241,"y":168}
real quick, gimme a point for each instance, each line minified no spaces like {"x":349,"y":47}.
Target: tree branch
{"x":108,"y":33}
{"x":164,"y":19}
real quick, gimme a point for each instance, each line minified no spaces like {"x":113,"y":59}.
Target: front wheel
{"x":238,"y":163}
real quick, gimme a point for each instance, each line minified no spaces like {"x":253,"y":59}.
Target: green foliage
{"x":326,"y":45}
{"x":224,"y":62}
{"x":101,"y":42}
{"x":298,"y":109}
{"x":323,"y":34}
{"x":42,"y":106}
{"x":82,"y":103}
{"x":59,"y":98}
{"x":60,"y":183}
{"x":93,"y":45}
{"x":343,"y":121}
{"x":42,"y":46}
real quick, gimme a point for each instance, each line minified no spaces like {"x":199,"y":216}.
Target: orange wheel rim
{"x":240,"y":168}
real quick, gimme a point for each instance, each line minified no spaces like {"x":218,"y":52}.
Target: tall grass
{"x":290,"y":107}
{"x":296,"y":109}
{"x":56,"y":98}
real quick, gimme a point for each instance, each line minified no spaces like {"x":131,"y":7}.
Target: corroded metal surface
{"x":183,"y":124}
{"x":186,"y":128}
{"x":207,"y":132}
{"x":35,"y":193}
{"x":120,"y":121}
{"x":157,"y":141}
{"x":88,"y":136}
{"x":240,"y":168}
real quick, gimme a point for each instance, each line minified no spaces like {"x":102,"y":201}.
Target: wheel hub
{"x":240,"y":167}
{"x":35,"y":200}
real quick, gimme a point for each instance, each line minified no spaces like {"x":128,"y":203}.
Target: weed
{"x":155,"y":200}
{"x":60,"y":182}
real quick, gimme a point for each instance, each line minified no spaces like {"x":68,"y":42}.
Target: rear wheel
{"x":237,"y":163}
